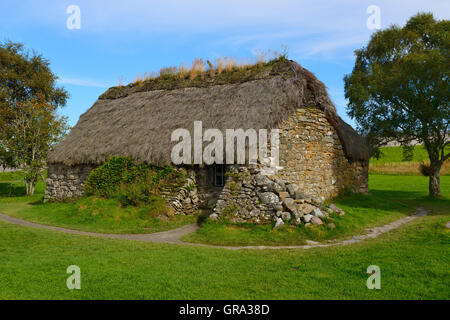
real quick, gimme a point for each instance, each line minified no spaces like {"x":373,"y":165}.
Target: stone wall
{"x":64,"y":182}
{"x":312,"y":156}
{"x":240,"y":198}
{"x":186,"y":199}
{"x":250,"y":195}
{"x":207,"y":192}
{"x":312,"y":168}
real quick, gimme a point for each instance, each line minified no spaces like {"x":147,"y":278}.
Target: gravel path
{"x":173,"y":236}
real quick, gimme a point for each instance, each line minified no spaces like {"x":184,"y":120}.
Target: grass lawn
{"x":413,"y":260}
{"x":391,"y":162}
{"x":391,"y":197}
{"x":88,"y":214}
{"x":382,"y":206}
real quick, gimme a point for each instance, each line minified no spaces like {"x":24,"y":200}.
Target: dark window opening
{"x":219,"y":175}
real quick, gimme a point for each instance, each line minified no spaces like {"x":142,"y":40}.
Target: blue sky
{"x":127,"y":38}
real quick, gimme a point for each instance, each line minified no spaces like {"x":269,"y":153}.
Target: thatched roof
{"x":137,"y":121}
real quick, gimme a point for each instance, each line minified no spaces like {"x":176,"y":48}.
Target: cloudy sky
{"x":122,"y":39}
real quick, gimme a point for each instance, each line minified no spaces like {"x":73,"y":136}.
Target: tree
{"x":29,"y":137}
{"x":29,"y":99}
{"x":399,"y":89}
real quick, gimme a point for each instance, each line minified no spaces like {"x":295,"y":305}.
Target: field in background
{"x":391,"y":162}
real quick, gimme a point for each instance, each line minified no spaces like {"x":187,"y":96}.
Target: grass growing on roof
{"x":225,"y":73}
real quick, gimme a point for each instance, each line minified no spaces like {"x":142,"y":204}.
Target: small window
{"x":219,"y":175}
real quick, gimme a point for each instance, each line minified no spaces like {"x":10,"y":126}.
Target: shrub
{"x":133,"y":194}
{"x":132,"y":184}
{"x":104,"y":180}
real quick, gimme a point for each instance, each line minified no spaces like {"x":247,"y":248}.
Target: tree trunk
{"x":29,"y":187}
{"x":435,"y":180}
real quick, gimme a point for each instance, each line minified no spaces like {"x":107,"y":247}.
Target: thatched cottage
{"x":319,"y":153}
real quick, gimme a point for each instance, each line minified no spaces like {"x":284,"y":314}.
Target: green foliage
{"x":105,"y":180}
{"x":236,"y":175}
{"x":392,"y":161}
{"x":407,"y":153}
{"x":133,"y":194}
{"x":29,"y":137}
{"x":133,"y":184}
{"x":398,"y":89}
{"x":395,"y":155}
{"x":29,"y":122}
{"x":23,"y":79}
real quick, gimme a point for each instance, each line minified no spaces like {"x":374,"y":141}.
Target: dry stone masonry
{"x":66,"y":182}
{"x":250,"y":196}
{"x":313,"y":166}
{"x":185,"y":200}
{"x":312,"y":156}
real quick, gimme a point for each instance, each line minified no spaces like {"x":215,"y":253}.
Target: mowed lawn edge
{"x":382,"y":206}
{"x":391,"y":198}
{"x":89,"y":214}
{"x":413,"y":261}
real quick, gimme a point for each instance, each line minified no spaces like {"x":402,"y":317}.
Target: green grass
{"x":391,"y":197}
{"x":88,"y":214}
{"x":413,"y":260}
{"x":11,"y":176}
{"x":394,"y":154}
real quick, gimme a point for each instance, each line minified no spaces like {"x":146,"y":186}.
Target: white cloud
{"x":211,"y":16}
{"x":328,"y":46}
{"x":82,"y":82}
{"x":309,"y":27}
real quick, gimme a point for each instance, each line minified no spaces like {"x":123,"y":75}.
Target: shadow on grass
{"x":402,"y":201}
{"x":37,"y":202}
{"x":8,"y":189}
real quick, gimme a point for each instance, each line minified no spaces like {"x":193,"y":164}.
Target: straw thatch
{"x":139,"y":124}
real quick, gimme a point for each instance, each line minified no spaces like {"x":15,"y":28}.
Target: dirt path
{"x":173,"y":236}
